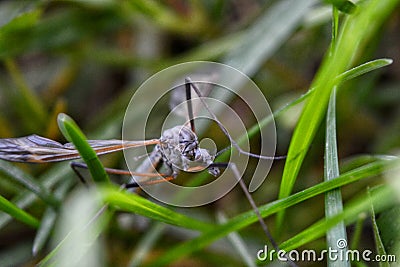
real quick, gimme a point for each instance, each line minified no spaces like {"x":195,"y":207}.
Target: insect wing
{"x":37,"y":149}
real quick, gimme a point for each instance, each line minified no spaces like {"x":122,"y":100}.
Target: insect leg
{"x":149,"y":182}
{"x":75,"y":167}
{"x":80,"y":165}
{"x":236,"y":173}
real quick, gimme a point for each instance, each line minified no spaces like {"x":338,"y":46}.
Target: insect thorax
{"x":180,"y":147}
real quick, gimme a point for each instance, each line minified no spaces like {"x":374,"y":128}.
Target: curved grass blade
{"x":356,"y":31}
{"x":74,"y":135}
{"x":343,"y":5}
{"x":345,"y":76}
{"x":17,"y":213}
{"x":122,"y":200}
{"x":245,"y":219}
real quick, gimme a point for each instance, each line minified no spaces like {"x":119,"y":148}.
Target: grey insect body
{"x":179,"y":150}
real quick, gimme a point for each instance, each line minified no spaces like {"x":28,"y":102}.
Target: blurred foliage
{"x":87,"y":58}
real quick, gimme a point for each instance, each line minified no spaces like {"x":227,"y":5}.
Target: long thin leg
{"x":163,"y":177}
{"x":149,"y":182}
{"x":236,"y":173}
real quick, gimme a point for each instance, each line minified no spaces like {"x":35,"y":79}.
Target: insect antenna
{"x":234,"y":143}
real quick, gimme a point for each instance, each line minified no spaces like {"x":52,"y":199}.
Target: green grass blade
{"x":27,"y":102}
{"x":73,"y":134}
{"x":82,"y":219}
{"x":364,"y":68}
{"x":388,"y":223}
{"x":125,"y":201}
{"x":356,"y":31}
{"x":28,"y":182}
{"x":144,"y":246}
{"x":48,"y":219}
{"x":58,"y":172}
{"x":378,"y":241}
{"x":19,"y":24}
{"x":245,"y":219}
{"x":27,"y":198}
{"x":164,"y":17}
{"x":333,"y":199}
{"x":345,"y":76}
{"x":382,"y":197}
{"x":238,"y":243}
{"x":17,"y":213}
{"x":343,"y":5}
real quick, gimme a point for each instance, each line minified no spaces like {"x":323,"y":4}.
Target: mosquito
{"x":176,"y":149}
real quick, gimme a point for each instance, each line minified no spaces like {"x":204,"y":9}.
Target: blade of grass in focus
{"x":30,"y":183}
{"x":333,"y":199}
{"x":17,"y":213}
{"x":73,"y":134}
{"x":358,"y":28}
{"x":245,"y":219}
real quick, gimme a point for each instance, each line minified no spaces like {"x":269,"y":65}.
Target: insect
{"x":177,"y":148}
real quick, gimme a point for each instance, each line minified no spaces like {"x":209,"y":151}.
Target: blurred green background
{"x":87,"y":58}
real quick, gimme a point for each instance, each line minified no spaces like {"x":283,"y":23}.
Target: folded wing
{"x":37,"y":149}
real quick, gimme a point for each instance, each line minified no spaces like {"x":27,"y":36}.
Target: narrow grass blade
{"x":17,"y":213}
{"x":333,"y":199}
{"x":49,"y":218}
{"x":28,"y":182}
{"x":388,"y":226}
{"x":343,"y":5}
{"x":378,"y":241}
{"x":73,"y":134}
{"x":245,"y":219}
{"x":382,"y":197}
{"x":58,"y":172}
{"x":345,"y":76}
{"x":146,"y":243}
{"x":76,"y":239}
{"x":238,"y":243}
{"x":17,"y":20}
{"x":26,"y":99}
{"x":27,"y":198}
{"x":125,"y":201}
{"x":164,"y":17}
{"x":355,"y":34}
{"x":363,"y":69}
